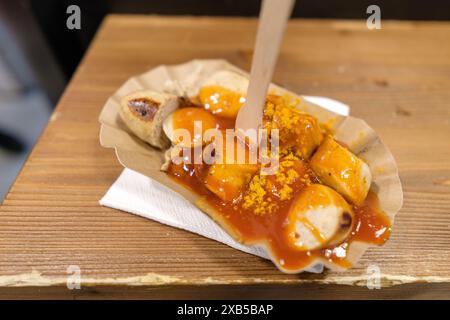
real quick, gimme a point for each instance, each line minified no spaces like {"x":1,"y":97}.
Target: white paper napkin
{"x":140,"y":195}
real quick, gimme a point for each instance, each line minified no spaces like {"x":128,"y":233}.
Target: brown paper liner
{"x":137,"y":155}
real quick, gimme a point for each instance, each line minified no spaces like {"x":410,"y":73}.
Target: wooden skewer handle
{"x":272,"y":22}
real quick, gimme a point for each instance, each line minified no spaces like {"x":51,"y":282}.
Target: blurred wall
{"x":24,"y":49}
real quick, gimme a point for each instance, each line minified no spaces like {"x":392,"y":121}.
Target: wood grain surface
{"x":397,"y":79}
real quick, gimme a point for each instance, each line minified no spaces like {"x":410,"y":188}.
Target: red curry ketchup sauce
{"x":371,"y":225}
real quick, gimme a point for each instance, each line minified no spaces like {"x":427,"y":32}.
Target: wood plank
{"x":397,"y":79}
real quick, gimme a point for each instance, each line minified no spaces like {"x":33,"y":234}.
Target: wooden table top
{"x":397,"y":79}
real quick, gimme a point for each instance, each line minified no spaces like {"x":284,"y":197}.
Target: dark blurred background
{"x":37,"y":23}
{"x":38,"y":53}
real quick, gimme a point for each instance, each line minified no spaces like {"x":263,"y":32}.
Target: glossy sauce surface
{"x":221,"y":101}
{"x":196,"y":121}
{"x":370,"y":225}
